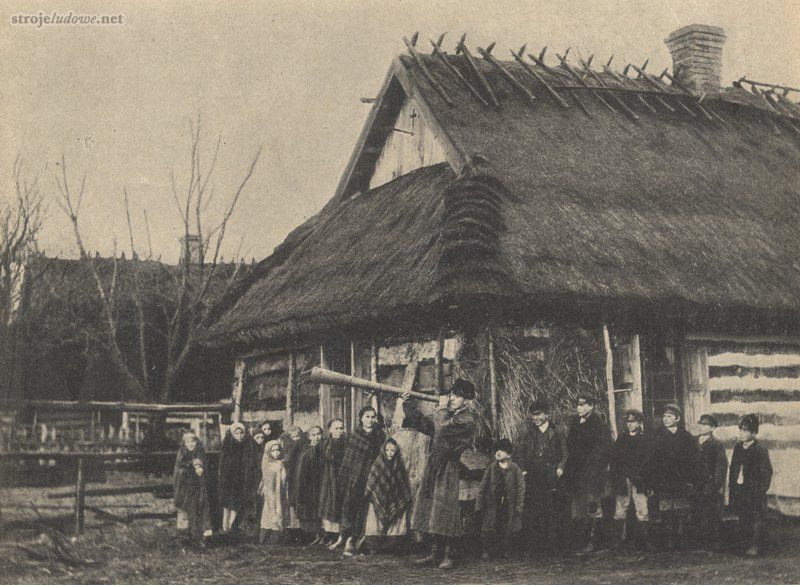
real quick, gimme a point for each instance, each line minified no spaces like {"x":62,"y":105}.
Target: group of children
{"x":660,"y":490}
{"x":577,"y":489}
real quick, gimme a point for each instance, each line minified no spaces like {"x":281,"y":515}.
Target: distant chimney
{"x":193,"y":245}
{"x":697,"y":56}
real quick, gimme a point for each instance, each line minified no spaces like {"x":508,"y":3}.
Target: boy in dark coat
{"x":707,"y":499}
{"x":501,"y":498}
{"x":542,"y":456}
{"x":672,"y":472}
{"x":748,"y":482}
{"x":586,"y":470}
{"x":630,"y":453}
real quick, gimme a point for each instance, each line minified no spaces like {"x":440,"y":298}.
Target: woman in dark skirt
{"x":307,"y":484}
{"x":233,"y":474}
{"x":294,"y":442}
{"x":191,"y":488}
{"x":332,"y":455}
{"x":362,"y":448}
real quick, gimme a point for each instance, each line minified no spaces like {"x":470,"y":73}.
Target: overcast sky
{"x":117,"y":100}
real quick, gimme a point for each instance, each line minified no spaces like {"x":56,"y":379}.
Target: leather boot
{"x":431,"y":559}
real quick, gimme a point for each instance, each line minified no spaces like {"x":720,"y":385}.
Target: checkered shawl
{"x":388,"y":487}
{"x":359,"y":454}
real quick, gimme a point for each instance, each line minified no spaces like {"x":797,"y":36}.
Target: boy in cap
{"x":707,"y":499}
{"x":501,"y":498}
{"x":748,"y":481}
{"x":672,"y":472}
{"x":585,"y":473}
{"x":542,"y":456}
{"x":437,"y":510}
{"x":628,"y":456}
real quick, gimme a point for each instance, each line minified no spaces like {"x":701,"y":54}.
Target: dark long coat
{"x":675,"y":466}
{"x":234,"y":471}
{"x":540,"y":456}
{"x":588,"y":451}
{"x":515,"y":494}
{"x":629,"y":455}
{"x":332,"y":455}
{"x":756,"y":468}
{"x":191,"y":490}
{"x":308,"y":483}
{"x":715,"y":467}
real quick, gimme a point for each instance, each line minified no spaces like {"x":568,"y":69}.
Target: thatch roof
{"x":550,"y":202}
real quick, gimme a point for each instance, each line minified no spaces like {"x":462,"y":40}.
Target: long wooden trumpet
{"x":323,"y":376}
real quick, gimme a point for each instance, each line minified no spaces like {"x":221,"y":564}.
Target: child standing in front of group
{"x":501,"y":499}
{"x":748,"y":481}
{"x":275,"y":510}
{"x":389,"y":493}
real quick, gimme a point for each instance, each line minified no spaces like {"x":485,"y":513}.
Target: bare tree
{"x":20,"y":221}
{"x":193,"y":287}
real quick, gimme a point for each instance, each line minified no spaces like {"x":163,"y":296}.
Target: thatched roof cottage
{"x":546,"y":228}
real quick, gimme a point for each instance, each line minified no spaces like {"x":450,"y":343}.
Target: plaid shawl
{"x":388,"y":487}
{"x":359,"y":454}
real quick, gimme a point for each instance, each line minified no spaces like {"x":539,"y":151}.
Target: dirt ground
{"x":147,"y":551}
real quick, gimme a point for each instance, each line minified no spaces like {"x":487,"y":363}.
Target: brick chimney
{"x":193,"y":244}
{"x":697,"y":56}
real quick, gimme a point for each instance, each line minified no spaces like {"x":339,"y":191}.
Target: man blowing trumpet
{"x":436,"y":512}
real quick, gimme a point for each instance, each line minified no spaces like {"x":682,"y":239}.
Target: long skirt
{"x":373,"y":526}
{"x":439,"y":512}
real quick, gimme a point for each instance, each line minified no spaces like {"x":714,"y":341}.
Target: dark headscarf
{"x":388,"y":487}
{"x":233,"y":468}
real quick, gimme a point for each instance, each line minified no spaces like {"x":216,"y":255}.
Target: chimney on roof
{"x":697,"y":56}
{"x":192,"y":247}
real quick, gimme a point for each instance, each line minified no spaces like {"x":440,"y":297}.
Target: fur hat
{"x":632,"y":413}
{"x":749,"y":422}
{"x":463,"y":388}
{"x":504,"y":445}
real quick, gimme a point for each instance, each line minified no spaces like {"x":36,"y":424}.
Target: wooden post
{"x":493,"y":385}
{"x":612,"y":407}
{"x":636,"y":371}
{"x":80,"y":494}
{"x":439,"y":362}
{"x":353,"y":389}
{"x":236,"y":393}
{"x":322,"y":387}
{"x":289,"y":416}
{"x":373,"y":372}
{"x":696,"y":400}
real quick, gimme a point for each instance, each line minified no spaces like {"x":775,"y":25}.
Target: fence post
{"x":80,"y":495}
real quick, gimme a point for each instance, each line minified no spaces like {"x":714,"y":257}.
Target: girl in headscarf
{"x":251,"y":510}
{"x":233,"y":474}
{"x":307,"y":485}
{"x":275,"y":512}
{"x":191,"y":487}
{"x":332,"y":455}
{"x":362,"y":448}
{"x":294,"y":443}
{"x":389,"y":493}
